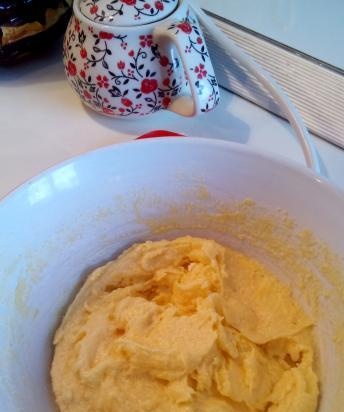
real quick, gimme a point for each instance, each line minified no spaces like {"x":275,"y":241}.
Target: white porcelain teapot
{"x":131,"y":58}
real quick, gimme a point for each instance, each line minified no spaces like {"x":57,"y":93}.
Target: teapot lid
{"x":127,"y":12}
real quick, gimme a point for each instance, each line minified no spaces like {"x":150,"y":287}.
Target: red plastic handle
{"x":159,"y":133}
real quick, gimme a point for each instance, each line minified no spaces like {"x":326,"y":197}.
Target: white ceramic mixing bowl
{"x":60,"y":225}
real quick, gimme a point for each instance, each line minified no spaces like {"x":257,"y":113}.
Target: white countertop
{"x":43,"y":123}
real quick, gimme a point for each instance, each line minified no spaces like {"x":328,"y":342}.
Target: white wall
{"x":315,"y":27}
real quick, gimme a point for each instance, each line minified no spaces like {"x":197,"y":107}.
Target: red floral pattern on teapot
{"x":124,"y":11}
{"x":122,"y":74}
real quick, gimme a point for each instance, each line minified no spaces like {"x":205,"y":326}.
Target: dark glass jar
{"x":27,"y":26}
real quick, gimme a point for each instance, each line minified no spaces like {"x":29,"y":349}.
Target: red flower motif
{"x":83,"y":53}
{"x":87,"y":94}
{"x":166,"y":81}
{"x":102,"y":81}
{"x":121,"y":65}
{"x":129,"y":2}
{"x":199,"y":40}
{"x":200,"y":71}
{"x":149,"y":85}
{"x":146,"y":40}
{"x":121,"y":110}
{"x":71,"y":68}
{"x":82,"y":73}
{"x":147,"y":6}
{"x":185,"y":27}
{"x":166,"y":101}
{"x":94,"y":9}
{"x":159,"y":5}
{"x":77,"y":25}
{"x":106,"y":110}
{"x":126,"y":102}
{"x":105,"y":35}
{"x":164,"y":61}
{"x":131,"y":53}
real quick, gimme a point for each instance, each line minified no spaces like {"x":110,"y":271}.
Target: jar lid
{"x":127,"y":12}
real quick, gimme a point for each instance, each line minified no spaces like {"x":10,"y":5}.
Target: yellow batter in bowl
{"x":184,"y":325}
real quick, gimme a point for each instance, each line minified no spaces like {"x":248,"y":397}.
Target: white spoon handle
{"x":288,"y":109}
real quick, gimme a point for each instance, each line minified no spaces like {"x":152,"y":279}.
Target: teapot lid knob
{"x":127,"y":12}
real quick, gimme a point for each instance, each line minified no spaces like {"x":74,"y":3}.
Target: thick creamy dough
{"x":184,"y":325}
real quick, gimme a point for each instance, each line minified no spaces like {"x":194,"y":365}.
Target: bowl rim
{"x":276,"y":160}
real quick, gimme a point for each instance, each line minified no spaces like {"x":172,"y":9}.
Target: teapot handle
{"x":189,"y":40}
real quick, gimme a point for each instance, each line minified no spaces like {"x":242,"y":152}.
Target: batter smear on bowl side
{"x":184,"y":325}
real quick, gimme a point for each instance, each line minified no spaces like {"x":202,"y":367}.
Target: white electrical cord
{"x":288,"y":109}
